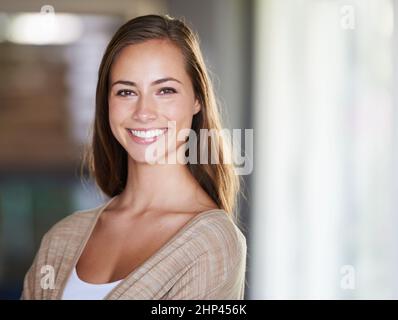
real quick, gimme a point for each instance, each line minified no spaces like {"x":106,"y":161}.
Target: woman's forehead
{"x":149,"y":61}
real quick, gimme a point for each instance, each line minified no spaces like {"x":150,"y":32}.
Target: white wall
{"x":324,"y":211}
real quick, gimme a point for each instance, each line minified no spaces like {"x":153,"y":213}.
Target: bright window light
{"x":44,"y":29}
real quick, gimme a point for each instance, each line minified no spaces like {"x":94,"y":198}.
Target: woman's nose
{"x":144,"y":110}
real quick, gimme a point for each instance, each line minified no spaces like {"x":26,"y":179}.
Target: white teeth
{"x":147,"y":134}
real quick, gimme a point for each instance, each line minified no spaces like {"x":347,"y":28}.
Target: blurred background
{"x":315,"y":80}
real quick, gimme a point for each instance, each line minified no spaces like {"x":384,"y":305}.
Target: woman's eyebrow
{"x":133,"y":84}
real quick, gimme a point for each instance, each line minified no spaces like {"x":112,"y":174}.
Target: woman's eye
{"x":124,"y":93}
{"x":167,"y":91}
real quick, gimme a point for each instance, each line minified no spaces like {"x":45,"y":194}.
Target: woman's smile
{"x":146,"y":136}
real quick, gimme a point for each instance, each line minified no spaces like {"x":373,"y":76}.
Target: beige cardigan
{"x":205,"y":259}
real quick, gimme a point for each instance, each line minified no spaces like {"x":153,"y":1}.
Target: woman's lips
{"x":146,"y":137}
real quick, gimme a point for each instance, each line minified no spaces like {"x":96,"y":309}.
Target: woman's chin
{"x":146,"y":157}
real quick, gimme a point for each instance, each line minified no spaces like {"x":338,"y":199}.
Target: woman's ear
{"x":196,"y":107}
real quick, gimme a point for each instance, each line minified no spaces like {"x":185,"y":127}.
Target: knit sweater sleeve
{"x":219,"y":272}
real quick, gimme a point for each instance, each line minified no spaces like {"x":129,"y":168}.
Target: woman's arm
{"x":30,"y":280}
{"x":217,"y":274}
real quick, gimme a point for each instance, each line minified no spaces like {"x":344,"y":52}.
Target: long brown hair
{"x":107,"y":159}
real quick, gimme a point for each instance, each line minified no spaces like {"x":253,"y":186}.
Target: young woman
{"x":169,"y":229}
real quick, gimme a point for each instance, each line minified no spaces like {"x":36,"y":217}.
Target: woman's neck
{"x":158,"y":187}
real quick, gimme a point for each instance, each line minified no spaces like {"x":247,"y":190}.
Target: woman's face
{"x":149,"y":91}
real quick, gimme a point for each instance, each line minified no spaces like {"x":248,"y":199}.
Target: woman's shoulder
{"x":214,"y":248}
{"x":217,"y":232}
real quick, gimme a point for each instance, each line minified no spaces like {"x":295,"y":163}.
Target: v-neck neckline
{"x":93,"y":224}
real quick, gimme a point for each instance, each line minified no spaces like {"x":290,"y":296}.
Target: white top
{"x":77,"y":289}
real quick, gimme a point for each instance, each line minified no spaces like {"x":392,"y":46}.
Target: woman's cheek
{"x":116,"y":116}
{"x":113,"y":128}
{"x":178,"y":112}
